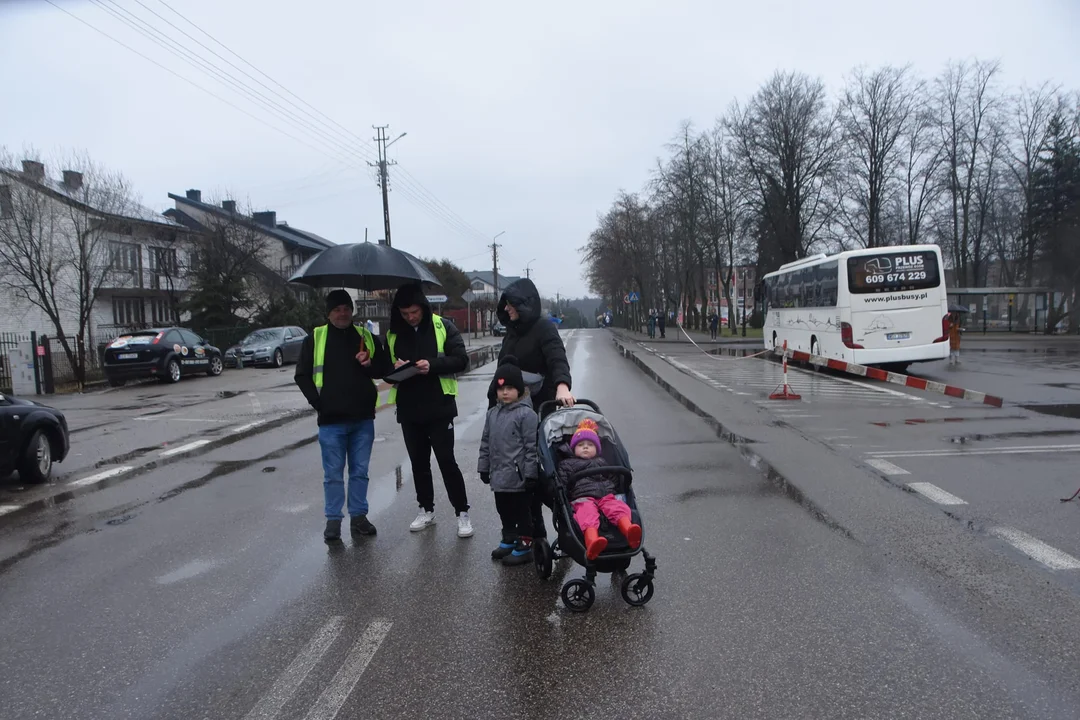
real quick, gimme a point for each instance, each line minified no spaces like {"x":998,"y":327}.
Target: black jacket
{"x":533,"y":340}
{"x":420,"y":399}
{"x":348,"y":393}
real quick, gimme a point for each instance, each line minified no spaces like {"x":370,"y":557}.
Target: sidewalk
{"x":676,"y":335}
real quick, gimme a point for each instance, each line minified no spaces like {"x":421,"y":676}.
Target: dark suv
{"x":165,"y":353}
{"x":32,"y":438}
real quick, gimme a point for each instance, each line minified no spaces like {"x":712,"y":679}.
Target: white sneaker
{"x":423,"y":520}
{"x":464,"y":525}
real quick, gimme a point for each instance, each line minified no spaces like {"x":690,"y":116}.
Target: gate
{"x":8,"y":342}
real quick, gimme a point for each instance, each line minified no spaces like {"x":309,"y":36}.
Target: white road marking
{"x":293,"y":676}
{"x":246,"y":427}
{"x":936,"y":494}
{"x":333,"y":698}
{"x":185,"y":448}
{"x":1036,"y":549}
{"x":1017,"y":450}
{"x":5,"y":509}
{"x":886,"y":467}
{"x":841,"y":437}
{"x":256,"y":406}
{"x":104,"y":475}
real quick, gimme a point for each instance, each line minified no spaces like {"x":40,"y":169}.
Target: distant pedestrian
{"x":427,"y":402}
{"x":652,"y":323}
{"x":338,"y":363}
{"x":954,"y":339}
{"x":661,"y":324}
{"x":508,"y":462}
{"x":714,"y":325}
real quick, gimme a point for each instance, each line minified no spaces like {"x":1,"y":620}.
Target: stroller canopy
{"x":564,"y":422}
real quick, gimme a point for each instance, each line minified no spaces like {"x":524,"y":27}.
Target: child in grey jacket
{"x":508,"y":462}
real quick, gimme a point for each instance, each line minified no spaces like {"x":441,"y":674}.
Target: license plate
{"x":898,"y":336}
{"x":128,"y":356}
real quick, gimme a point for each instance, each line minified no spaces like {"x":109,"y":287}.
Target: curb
{"x":744,"y":445}
{"x":894,"y":378}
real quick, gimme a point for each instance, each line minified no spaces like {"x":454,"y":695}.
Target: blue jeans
{"x":352,"y":442}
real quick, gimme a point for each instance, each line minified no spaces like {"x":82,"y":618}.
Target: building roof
{"x":87,"y":197}
{"x":488,"y":277}
{"x":281,"y":231}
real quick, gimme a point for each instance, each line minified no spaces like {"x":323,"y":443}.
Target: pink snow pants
{"x":587,"y":511}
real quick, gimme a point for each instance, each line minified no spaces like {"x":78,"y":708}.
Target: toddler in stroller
{"x":592,"y":493}
{"x":593,"y":508}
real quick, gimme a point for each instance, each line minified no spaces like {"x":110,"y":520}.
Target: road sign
{"x":634,"y":297}
{"x":436,"y":299}
{"x":626,"y":299}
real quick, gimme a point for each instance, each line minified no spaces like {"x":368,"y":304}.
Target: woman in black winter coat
{"x":539,"y":350}
{"x":535,"y":343}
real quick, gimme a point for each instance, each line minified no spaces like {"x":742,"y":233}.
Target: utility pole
{"x":384,"y":174}
{"x":528,"y":273}
{"x":495,"y":263}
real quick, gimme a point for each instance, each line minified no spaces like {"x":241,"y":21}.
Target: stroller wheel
{"x":542,"y":558}
{"x":578,"y":595}
{"x":637,"y":589}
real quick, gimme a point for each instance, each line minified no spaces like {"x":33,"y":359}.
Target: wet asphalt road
{"x":203,"y":590}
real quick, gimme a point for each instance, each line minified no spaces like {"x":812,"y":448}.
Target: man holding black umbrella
{"x":427,"y":401}
{"x":336,"y":370}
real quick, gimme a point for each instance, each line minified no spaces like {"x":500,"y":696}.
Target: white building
{"x":132,"y":257}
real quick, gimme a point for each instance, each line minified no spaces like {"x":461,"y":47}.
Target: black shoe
{"x":502,"y":551}
{"x":332,"y":533}
{"x":360,"y":525}
{"x":522,"y":554}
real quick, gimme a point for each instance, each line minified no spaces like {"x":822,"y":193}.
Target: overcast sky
{"x":523,"y":118}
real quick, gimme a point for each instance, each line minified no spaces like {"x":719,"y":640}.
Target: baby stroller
{"x":556,"y":427}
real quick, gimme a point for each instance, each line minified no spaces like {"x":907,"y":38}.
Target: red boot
{"x":632,"y":531}
{"x":594,"y":543}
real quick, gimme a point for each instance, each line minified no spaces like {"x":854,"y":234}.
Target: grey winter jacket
{"x":594,"y":486}
{"x":509,"y":445}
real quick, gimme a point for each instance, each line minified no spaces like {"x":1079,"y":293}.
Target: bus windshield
{"x":893,"y":272}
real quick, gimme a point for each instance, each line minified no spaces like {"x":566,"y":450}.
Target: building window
{"x":7,"y":210}
{"x":125,"y":256}
{"x":478,"y":285}
{"x":128,"y":312}
{"x":163,"y":261}
{"x":164,"y":312}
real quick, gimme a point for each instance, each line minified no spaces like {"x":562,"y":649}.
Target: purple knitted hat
{"x":586,"y":430}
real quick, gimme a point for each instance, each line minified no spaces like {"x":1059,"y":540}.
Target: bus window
{"x":828,"y":274}
{"x":893,"y":272}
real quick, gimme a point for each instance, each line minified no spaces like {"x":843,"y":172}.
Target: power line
{"x":422,"y":198}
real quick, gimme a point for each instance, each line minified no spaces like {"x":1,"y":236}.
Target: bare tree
{"x":724,"y":210}
{"x":1032,"y":110}
{"x":54,"y":247}
{"x":969,"y":125}
{"x":230,"y":283}
{"x":876,"y":111}
{"x":923,"y":155}
{"x":786,"y":144}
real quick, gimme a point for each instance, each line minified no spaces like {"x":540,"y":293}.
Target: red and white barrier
{"x":786,"y":393}
{"x":891,"y":377}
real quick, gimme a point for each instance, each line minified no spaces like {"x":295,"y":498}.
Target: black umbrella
{"x":954,"y":308}
{"x":364,"y":266}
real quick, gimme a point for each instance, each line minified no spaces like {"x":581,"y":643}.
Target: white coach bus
{"x":882,"y":307}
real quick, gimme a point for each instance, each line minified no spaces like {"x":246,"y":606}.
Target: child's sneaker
{"x":504,"y":549}
{"x":521,"y":554}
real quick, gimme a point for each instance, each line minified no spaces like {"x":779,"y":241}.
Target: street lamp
{"x":396,"y":139}
{"x":528,"y":275}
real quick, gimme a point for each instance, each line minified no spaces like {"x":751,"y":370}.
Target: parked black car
{"x":165,"y":353}
{"x":32,"y":438}
{"x":269,"y":346}
{"x":498,"y":329}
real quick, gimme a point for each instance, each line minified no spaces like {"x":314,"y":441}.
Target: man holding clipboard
{"x":427,"y":353}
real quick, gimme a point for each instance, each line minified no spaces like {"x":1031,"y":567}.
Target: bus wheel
{"x":774,"y":340}
{"x":815,"y":350}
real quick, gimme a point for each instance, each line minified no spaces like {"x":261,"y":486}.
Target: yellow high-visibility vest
{"x":449,"y":384}
{"x":320,"y":350}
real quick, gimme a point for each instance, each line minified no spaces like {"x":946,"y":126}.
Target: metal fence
{"x":225,"y":337}
{"x":63,"y":373}
{"x":8,"y":342}
{"x":1021,"y":310}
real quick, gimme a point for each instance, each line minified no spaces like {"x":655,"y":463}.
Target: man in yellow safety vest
{"x":427,"y":401}
{"x":336,"y":372}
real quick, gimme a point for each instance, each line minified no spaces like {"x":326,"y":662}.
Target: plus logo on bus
{"x":909,"y":262}
{"x":878,"y":265}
